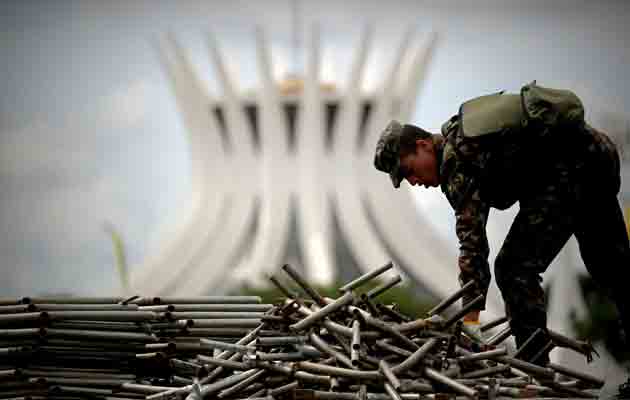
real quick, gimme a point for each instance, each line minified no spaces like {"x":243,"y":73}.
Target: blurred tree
{"x":121,"y":257}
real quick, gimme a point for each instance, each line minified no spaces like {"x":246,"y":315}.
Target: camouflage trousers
{"x":574,"y":198}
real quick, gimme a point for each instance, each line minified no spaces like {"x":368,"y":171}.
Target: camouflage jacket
{"x":496,"y":171}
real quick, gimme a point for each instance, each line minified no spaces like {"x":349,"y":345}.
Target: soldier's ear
{"x":424,"y":144}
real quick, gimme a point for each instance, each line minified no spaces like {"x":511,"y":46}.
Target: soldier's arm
{"x":471,"y":218}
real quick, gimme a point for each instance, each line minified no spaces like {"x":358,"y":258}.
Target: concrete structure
{"x":300,"y":158}
{"x":287,"y":172}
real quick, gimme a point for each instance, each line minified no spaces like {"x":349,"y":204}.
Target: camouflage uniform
{"x":566,"y":181}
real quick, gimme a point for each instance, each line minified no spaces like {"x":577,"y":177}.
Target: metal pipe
{"x":545,"y":350}
{"x":493,"y":323}
{"x":17,"y":308}
{"x":500,"y":337}
{"x":304,"y":285}
{"x":23,"y":317}
{"x":526,"y":366}
{"x":54,"y":380}
{"x":71,"y":300}
{"x":590,"y":379}
{"x":283,"y":389}
{"x":484,"y":355}
{"x":383,"y":344}
{"x":486,"y":372}
{"x":237,"y":348}
{"x":20,"y":333}
{"x":376,"y":323}
{"x":261,"y":308}
{"x":82,"y":307}
{"x":387,"y":372}
{"x":280,"y":340}
{"x":231,"y":380}
{"x":467,"y":308}
{"x":383,"y":287}
{"x":324,"y":347}
{"x":416,"y":357}
{"x":443,"y":305}
{"x":585,"y":348}
{"x":391,"y":391}
{"x":207,"y":300}
{"x":365,"y":278}
{"x":286,"y":291}
{"x":99,"y":335}
{"x":118,"y":316}
{"x":454,"y":385}
{"x":392,"y":313}
{"x":328,"y":309}
{"x":337,"y":371}
{"x":355,"y":344}
{"x":223,"y":363}
{"x":225,"y":323}
{"x":527,"y":342}
{"x":242,"y":384}
{"x":197,"y":315}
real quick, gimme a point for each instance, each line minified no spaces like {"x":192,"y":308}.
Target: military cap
{"x":387,"y":156}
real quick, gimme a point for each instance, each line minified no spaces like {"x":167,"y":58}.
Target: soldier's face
{"x":420,"y":168}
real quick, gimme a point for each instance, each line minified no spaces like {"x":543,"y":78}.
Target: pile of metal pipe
{"x":305,"y":346}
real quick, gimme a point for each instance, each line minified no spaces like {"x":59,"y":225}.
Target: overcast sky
{"x":90,"y":132}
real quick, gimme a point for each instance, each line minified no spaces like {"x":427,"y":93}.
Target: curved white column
{"x":363,"y":242}
{"x":204,"y":274}
{"x":270,"y":240}
{"x":408,"y":235}
{"x":313,"y":204}
{"x":207,"y":163}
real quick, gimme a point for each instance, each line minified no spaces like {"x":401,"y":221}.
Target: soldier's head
{"x":407,"y":152}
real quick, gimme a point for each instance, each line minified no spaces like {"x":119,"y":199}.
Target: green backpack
{"x":534,"y":106}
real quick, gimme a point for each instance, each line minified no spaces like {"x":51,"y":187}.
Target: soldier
{"x":535,"y":148}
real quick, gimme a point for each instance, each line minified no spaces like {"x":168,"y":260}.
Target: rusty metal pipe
{"x":500,"y":337}
{"x":207,"y":300}
{"x":416,"y":357}
{"x":313,"y":294}
{"x":444,"y":304}
{"x":236,"y":365}
{"x":283,"y":289}
{"x":452,"y":384}
{"x":280,"y":340}
{"x":486,"y":372}
{"x":21,"y":333}
{"x":284,"y":388}
{"x":99,"y":335}
{"x":467,"y":308}
{"x":493,"y":323}
{"x":338,"y":371}
{"x":526,"y":366}
{"x":320,"y":314}
{"x":590,"y":379}
{"x":484,"y":355}
{"x":324,"y":347}
{"x":391,"y":391}
{"x":372,"y":293}
{"x":389,"y":375}
{"x":71,"y":300}
{"x":380,"y":325}
{"x":242,"y":384}
{"x":134,"y":316}
{"x":237,"y":348}
{"x":365,"y":278}
{"x":225,"y":323}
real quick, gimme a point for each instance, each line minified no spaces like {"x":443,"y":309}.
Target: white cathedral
{"x":285,"y":175}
